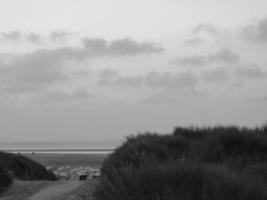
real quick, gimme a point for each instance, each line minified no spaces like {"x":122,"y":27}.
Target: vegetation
{"x":191,"y":164}
{"x":15,"y":166}
{"x":143,"y":149}
{"x":5,"y":179}
{"x":184,"y":180}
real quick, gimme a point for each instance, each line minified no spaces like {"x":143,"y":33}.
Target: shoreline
{"x":59,"y":151}
{"x":92,"y":159}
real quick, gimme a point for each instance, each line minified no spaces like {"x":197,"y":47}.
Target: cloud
{"x":109,"y":77}
{"x":194,"y":60}
{"x":81,"y":94}
{"x":194,"y":41}
{"x":92,"y":46}
{"x":63,"y":97}
{"x":43,"y":67}
{"x":129,"y":81}
{"x":183,"y":98}
{"x":120,"y":47}
{"x":250,"y":71}
{"x":263,"y":98}
{"x":169,"y":80}
{"x":216,"y":75}
{"x":58,"y":35}
{"x":128,"y":46}
{"x":17,"y":36}
{"x":224,"y":55}
{"x":256,"y":31}
{"x":152,"y":79}
{"x":13,"y":35}
{"x":206,"y":28}
{"x":244,"y":71}
{"x":17,"y":88}
{"x":35,"y":38}
{"x":81,"y":73}
{"x":32,"y":71}
{"x":108,"y":74}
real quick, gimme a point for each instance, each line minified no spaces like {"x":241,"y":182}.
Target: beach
{"x":93,"y":160}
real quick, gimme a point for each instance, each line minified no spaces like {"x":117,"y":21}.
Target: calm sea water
{"x":68,"y":147}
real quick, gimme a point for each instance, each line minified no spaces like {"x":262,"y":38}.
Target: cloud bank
{"x":256,"y":31}
{"x":152,"y":79}
{"x":32,"y":37}
{"x":223,"y":56}
{"x":33,"y":71}
{"x":206,"y":28}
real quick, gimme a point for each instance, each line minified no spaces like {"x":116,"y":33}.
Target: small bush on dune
{"x":5,"y":179}
{"x":257,"y":171}
{"x":194,"y":132}
{"x":231,"y":148}
{"x":241,"y":149}
{"x":180,"y":180}
{"x":142,"y":149}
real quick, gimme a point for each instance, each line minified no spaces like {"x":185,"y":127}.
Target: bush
{"x":234,"y":149}
{"x":143,"y":149}
{"x":195,"y":132}
{"x":191,"y":164}
{"x":5,"y":179}
{"x":24,"y":168}
{"x":257,"y":171}
{"x":180,"y":180}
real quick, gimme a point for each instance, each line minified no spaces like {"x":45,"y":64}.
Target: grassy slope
{"x":20,"y":167}
{"x":224,"y":163}
{"x":24,"y":189}
{"x":5,"y":179}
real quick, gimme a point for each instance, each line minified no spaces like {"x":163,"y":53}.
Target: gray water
{"x":93,"y":146}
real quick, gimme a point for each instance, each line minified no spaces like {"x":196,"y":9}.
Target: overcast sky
{"x":87,"y":69}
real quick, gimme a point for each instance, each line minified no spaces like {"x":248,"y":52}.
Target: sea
{"x":62,"y":147}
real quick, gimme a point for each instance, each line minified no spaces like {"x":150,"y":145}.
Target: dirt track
{"x":54,"y":192}
{"x":41,"y":190}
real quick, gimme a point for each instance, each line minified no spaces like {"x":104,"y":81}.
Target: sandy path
{"x":21,"y":190}
{"x":50,"y":190}
{"x":55,"y":191}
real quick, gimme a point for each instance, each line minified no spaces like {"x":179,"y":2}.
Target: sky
{"x":99,"y":70}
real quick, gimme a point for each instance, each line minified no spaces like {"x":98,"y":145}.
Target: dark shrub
{"x":180,"y":180}
{"x":257,"y":171}
{"x":233,"y":149}
{"x":5,"y":179}
{"x":192,"y":164}
{"x":143,"y":149}
{"x":194,"y":132}
{"x":24,"y":168}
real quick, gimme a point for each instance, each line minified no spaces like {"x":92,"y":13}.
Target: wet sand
{"x":51,"y":159}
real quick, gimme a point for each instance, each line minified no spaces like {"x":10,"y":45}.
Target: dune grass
{"x":15,"y":166}
{"x":179,"y":180}
{"x":191,"y":164}
{"x":5,"y":179}
{"x":24,"y":168}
